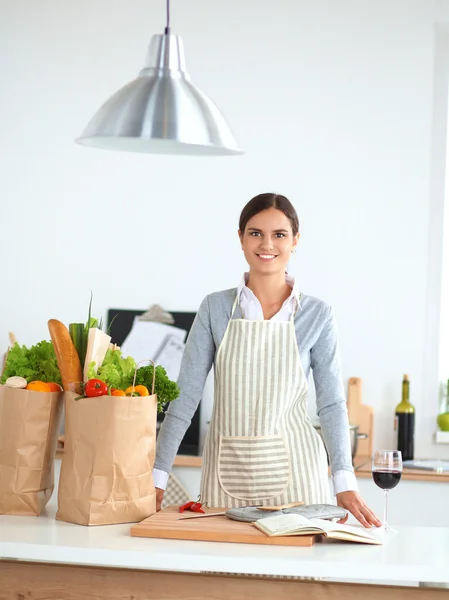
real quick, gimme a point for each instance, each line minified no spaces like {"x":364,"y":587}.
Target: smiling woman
{"x":269,"y":233}
{"x":263,"y":338}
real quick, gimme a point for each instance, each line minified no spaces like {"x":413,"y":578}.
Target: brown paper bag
{"x":29,"y":428}
{"x":107,"y":465}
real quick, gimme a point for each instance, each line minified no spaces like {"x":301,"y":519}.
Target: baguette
{"x":68,"y":360}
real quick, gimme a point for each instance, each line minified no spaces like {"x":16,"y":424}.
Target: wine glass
{"x":387,"y":471}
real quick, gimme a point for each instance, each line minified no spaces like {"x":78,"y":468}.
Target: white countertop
{"x":414,"y":554}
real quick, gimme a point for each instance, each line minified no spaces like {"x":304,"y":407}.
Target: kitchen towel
{"x":250,"y":514}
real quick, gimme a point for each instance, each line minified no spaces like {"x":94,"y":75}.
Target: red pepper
{"x":186,"y":506}
{"x":196,"y":507}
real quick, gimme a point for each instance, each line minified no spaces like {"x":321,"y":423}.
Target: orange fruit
{"x":118,"y":393}
{"x":54,"y":387}
{"x":38,"y":386}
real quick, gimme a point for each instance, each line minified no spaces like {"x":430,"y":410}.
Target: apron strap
{"x":298,"y":306}
{"x":234,"y":306}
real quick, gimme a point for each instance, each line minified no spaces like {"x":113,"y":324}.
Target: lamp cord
{"x":167,"y":27}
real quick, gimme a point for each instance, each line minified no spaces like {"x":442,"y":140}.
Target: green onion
{"x":79,"y":339}
{"x":79,"y":333}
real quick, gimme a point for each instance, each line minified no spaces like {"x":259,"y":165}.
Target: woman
{"x":263,"y":338}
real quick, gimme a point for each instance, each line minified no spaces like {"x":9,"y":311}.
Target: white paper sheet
{"x":170,"y":356}
{"x":147,"y":340}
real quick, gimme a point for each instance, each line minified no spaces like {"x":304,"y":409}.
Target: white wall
{"x":333,"y":102}
{"x":444,"y":325}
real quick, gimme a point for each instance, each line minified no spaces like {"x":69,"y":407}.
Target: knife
{"x":219,"y":514}
{"x":263,"y":508}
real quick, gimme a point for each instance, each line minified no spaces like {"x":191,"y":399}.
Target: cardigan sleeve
{"x":196,"y":364}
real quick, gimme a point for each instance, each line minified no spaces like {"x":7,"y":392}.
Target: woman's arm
{"x":331,"y":405}
{"x":196,"y":363}
{"x":333,"y":415}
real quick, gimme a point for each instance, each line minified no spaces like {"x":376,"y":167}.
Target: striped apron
{"x":261,"y":448}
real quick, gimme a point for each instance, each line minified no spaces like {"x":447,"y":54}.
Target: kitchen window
{"x":436,"y":346}
{"x":444,"y":323}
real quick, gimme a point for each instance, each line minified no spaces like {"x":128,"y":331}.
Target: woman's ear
{"x":240,"y":238}
{"x":296,"y":240}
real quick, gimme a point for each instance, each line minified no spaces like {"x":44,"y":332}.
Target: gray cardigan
{"x":316,"y":334}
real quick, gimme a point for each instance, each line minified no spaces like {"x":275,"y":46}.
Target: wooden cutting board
{"x":166,"y":525}
{"x":361,"y":415}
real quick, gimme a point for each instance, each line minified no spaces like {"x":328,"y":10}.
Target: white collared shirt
{"x":252,"y":309}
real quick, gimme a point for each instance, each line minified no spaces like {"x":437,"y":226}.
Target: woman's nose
{"x":267,"y":244}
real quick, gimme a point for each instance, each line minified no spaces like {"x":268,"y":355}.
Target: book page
{"x":349,"y":530}
{"x":286,"y":523}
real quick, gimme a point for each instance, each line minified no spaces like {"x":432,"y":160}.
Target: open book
{"x":294,"y":524}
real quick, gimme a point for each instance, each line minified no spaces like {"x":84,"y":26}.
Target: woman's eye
{"x":255,"y":233}
{"x":280,"y":235}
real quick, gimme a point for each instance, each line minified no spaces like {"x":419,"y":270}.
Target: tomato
{"x":95,"y":388}
{"x":139,"y":390}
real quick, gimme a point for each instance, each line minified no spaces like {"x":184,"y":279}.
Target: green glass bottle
{"x":443,"y":417}
{"x":405,"y":422}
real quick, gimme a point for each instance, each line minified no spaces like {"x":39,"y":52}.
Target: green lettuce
{"x":116,"y":371}
{"x":166,"y":390}
{"x":35,"y":363}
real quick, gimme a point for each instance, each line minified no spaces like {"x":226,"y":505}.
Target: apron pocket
{"x":253,"y":468}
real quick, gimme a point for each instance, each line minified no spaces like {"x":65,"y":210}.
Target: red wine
{"x":387,"y":480}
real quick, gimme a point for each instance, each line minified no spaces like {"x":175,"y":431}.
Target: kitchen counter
{"x":362,"y":466}
{"x":42,"y":554}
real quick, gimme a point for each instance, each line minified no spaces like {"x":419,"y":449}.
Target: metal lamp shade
{"x":161,"y":111}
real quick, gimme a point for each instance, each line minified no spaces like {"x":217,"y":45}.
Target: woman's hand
{"x":352,"y":502}
{"x":159,"y":497}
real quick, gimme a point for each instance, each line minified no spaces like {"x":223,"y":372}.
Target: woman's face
{"x":268,"y":241}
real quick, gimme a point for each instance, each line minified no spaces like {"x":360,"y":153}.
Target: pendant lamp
{"x":161,"y":111}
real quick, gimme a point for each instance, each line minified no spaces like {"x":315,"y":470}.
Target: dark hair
{"x":263,"y":202}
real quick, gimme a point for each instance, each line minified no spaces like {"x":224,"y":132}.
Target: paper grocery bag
{"x":29,"y":428}
{"x":107,"y":466}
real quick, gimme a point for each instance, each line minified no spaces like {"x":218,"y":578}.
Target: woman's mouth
{"x":266,"y":257}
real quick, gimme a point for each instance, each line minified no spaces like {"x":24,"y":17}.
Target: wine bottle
{"x":443,"y":417}
{"x":405,"y":422}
